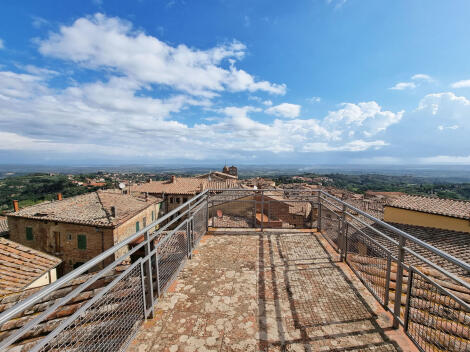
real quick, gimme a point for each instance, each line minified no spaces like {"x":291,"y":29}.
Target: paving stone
{"x":265,"y":292}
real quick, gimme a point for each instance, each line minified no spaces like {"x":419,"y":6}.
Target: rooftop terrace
{"x":332,"y":279}
{"x":271,"y":291}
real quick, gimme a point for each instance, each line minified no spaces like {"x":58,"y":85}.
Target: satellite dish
{"x":122,"y":185}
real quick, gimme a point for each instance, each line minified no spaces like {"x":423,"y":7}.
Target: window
{"x":153,"y":215}
{"x":77,"y":264}
{"x":81,"y":241}
{"x":137,"y":226}
{"x":69,"y":237}
{"x":178,"y":200}
{"x":185,"y":200}
{"x":171,"y":199}
{"x":29,"y":233}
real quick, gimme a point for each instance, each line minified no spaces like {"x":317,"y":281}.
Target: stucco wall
{"x":412,"y":217}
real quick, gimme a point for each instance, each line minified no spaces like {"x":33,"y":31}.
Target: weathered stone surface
{"x":268,"y":292}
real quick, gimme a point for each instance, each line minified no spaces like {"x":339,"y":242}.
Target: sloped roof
{"x":183,"y":185}
{"x":3,"y":225}
{"x":89,"y":209}
{"x":21,"y":265}
{"x":448,"y":207}
{"x":218,"y":174}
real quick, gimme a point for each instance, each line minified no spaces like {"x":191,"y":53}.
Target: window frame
{"x":29,"y":233}
{"x":81,"y":239}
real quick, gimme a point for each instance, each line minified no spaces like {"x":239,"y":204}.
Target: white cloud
{"x":353,"y":146}
{"x":461,"y":84}
{"x":109,"y":117}
{"x":267,"y":102}
{"x":365,"y":118}
{"x":403,"y":86}
{"x":39,"y":22}
{"x":101,"y":42}
{"x":446,"y":159}
{"x":1,"y":44}
{"x":422,"y":77}
{"x":418,"y":79}
{"x":442,"y":128}
{"x":314,"y":99}
{"x":285,"y":110}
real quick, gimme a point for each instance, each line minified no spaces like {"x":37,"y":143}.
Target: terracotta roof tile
{"x":183,"y":185}
{"x":448,"y":207}
{"x":3,"y":226}
{"x":21,"y":265}
{"x":89,"y":209}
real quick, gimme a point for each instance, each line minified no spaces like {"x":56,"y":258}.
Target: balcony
{"x":244,"y":270}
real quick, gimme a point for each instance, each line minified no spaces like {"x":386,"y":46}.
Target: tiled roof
{"x":21,"y":265}
{"x":3,"y":225}
{"x":455,"y":243}
{"x":448,"y":207}
{"x":183,"y":185}
{"x":218,"y":174}
{"x":89,"y":209}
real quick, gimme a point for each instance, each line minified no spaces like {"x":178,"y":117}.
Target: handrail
{"x":31,"y":300}
{"x":429,"y":247}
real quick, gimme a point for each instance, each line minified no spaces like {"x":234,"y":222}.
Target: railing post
{"x":408,"y":298}
{"x":157,"y":271}
{"x":262,"y":210}
{"x":188,"y":236}
{"x":148,"y":271}
{"x":212,"y":209}
{"x":342,"y":237}
{"x":207,"y":213}
{"x":387,"y":279}
{"x":399,"y":282}
{"x":319,"y":212}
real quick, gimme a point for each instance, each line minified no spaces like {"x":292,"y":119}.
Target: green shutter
{"x":29,"y":233}
{"x":81,"y":241}
{"x":137,"y":226}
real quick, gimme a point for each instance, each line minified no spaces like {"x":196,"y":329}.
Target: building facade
{"x":79,"y":228}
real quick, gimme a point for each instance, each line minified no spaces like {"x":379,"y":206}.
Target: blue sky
{"x":259,"y":82}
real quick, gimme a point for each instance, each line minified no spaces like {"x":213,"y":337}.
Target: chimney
{"x":16,"y":207}
{"x":173,"y":178}
{"x":113,"y":211}
{"x":59,"y":196}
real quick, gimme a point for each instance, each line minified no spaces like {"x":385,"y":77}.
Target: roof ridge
{"x":108,"y":216}
{"x":434,"y":198}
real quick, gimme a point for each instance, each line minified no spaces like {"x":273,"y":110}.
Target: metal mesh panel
{"x":437,"y":321}
{"x":109,"y":323}
{"x":172,"y":254}
{"x":331,"y":226}
{"x":369,"y":261}
{"x":236,"y":213}
{"x":199,"y":223}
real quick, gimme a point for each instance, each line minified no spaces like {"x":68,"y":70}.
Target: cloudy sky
{"x":260,"y":82}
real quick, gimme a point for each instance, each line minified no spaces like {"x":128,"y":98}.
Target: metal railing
{"x":102,"y":311}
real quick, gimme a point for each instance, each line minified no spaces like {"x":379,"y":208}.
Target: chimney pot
{"x":173,"y":179}
{"x":113,"y":212}
{"x":16,"y":207}
{"x":59,"y":196}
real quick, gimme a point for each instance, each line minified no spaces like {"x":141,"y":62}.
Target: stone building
{"x":232,"y":170}
{"x":179,"y":190}
{"x":79,"y":228}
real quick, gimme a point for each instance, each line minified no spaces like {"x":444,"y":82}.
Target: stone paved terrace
{"x":268,"y":291}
